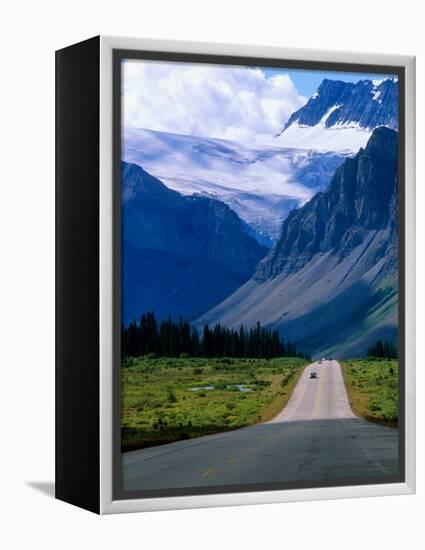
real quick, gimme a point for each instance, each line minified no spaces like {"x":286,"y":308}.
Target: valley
{"x":330,"y":282}
{"x":302,"y":240}
{"x":315,"y":437}
{"x":259,"y":298}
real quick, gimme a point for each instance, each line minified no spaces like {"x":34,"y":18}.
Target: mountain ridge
{"x":342,"y":115}
{"x":330,"y":281}
{"x":349,"y":200}
{"x":180,"y":255}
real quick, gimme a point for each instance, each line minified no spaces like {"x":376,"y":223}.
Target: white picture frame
{"x":108,"y":504}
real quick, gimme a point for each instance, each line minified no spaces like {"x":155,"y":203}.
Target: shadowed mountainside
{"x":181,"y":254}
{"x":330,"y":282}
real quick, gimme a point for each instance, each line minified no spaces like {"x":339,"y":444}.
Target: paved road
{"x":317,"y":399}
{"x":316,"y":437}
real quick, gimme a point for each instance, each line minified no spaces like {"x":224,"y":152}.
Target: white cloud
{"x":217,"y":101}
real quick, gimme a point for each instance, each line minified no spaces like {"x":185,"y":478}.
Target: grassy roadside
{"x":167,"y":399}
{"x":372,"y":387}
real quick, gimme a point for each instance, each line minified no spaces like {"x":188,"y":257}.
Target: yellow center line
{"x":319,"y":394}
{"x":233,"y":460}
{"x":209,"y":472}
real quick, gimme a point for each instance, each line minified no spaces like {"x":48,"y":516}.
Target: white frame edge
{"x":107,"y":504}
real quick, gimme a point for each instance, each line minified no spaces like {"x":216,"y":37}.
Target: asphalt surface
{"x":315,"y":437}
{"x":315,"y":399}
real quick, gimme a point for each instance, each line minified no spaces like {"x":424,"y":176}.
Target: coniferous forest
{"x":172,"y":339}
{"x":385,"y":349}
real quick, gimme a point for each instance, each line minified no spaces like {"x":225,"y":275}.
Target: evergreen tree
{"x":170,"y":339}
{"x":385,"y":349}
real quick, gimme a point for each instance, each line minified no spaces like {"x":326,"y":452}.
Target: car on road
{"x":323,"y":359}
{"x":313,"y":374}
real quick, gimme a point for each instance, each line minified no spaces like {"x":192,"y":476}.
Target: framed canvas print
{"x":234,"y":274}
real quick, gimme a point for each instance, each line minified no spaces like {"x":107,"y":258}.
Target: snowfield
{"x":261,"y":183}
{"x":344,"y":137}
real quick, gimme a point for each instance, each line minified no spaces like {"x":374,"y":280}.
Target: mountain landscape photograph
{"x":259,"y":276}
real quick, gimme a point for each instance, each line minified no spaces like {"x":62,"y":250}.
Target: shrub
{"x":151,"y":355}
{"x":263,"y":383}
{"x":374,"y":406}
{"x":184,"y":355}
{"x":171,"y":396}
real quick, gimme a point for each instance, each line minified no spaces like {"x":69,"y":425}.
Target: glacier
{"x":261,"y":183}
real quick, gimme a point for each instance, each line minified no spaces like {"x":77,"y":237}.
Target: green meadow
{"x":169,"y":399}
{"x":372,"y":388}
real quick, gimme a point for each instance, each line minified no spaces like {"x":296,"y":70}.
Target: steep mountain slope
{"x":261,"y":183}
{"x":330,"y":282}
{"x":180,"y":255}
{"x":342,"y":115}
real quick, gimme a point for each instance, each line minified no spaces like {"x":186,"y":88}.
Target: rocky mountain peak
{"x":367,"y":104}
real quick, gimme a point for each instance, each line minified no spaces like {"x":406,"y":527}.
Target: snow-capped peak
{"x":342,"y":115}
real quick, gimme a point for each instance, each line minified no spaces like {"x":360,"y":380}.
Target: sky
{"x":307,"y":81}
{"x":217,"y":101}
